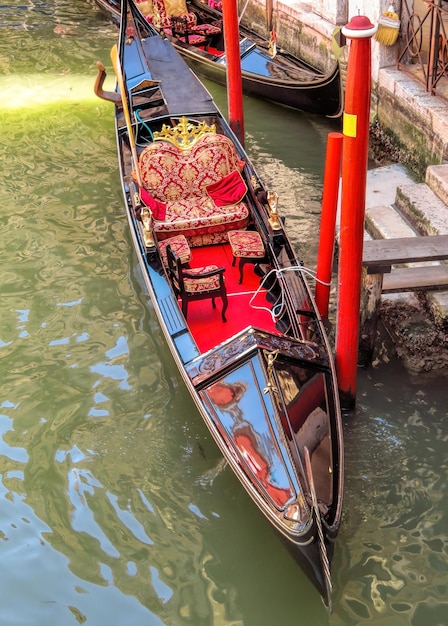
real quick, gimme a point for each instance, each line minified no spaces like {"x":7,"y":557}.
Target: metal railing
{"x":423,"y":45}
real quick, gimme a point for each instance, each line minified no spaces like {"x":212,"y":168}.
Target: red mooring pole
{"x":330,"y":198}
{"x":234,"y":80}
{"x":354,"y":175}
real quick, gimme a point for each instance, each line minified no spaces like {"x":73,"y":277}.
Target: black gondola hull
{"x":266,"y":391}
{"x":320,"y":94}
{"x":321,"y":98}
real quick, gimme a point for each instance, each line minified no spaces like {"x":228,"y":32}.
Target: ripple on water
{"x":115,"y":506}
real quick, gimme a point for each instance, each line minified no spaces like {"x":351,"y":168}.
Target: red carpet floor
{"x":205,"y":322}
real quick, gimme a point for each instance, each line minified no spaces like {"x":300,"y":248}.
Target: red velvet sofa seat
{"x":179,"y":177}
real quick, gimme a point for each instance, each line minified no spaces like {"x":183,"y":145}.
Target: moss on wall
{"x":385,"y":148}
{"x":415,"y":143}
{"x":254,"y":18}
{"x":292,"y":35}
{"x":304,"y":42}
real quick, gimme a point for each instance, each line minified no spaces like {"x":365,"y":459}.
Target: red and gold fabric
{"x":207,"y":29}
{"x":230,"y":189}
{"x":179,"y":245}
{"x":169,"y":173}
{"x":198,"y":216}
{"x":164,"y":9}
{"x":159,"y":12}
{"x":194,"y":39}
{"x":207,"y":239}
{"x":158,"y":208}
{"x":180,"y":179}
{"x":246,"y":243}
{"x":145,"y":7}
{"x":201,"y":285}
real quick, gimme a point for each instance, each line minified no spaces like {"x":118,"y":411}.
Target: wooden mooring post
{"x":233,"y":72}
{"x":353,"y":194}
{"x":380,"y":276}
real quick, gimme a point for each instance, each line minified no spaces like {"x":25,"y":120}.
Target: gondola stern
{"x":266,"y":401}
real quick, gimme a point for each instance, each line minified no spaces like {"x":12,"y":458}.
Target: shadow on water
{"x":115,"y":506}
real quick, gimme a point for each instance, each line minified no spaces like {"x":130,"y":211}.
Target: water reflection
{"x":394,"y":541}
{"x":251,"y":436}
{"x":115,"y":507}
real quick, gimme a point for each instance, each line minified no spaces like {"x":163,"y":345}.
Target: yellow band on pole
{"x":349,"y":125}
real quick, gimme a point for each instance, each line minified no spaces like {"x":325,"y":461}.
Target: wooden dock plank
{"x":422,"y":278}
{"x":381,"y":258}
{"x":380,"y":254}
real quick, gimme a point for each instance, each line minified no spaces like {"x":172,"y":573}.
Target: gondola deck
{"x":283,"y":79}
{"x":264,"y":380}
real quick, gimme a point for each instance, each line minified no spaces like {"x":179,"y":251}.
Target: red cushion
{"x":246,"y":243}
{"x":158,"y":208}
{"x":229,"y":190}
{"x":179,"y":245}
{"x":194,"y":40}
{"x":201,"y":285}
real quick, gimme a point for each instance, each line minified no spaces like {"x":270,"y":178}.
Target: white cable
{"x":278,"y":273}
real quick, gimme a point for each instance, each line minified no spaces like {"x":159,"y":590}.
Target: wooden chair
{"x":196,"y":283}
{"x":182,"y":32}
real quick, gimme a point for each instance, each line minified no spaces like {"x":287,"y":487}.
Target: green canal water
{"x":115,"y":505}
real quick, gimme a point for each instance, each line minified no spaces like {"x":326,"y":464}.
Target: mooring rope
{"x":277,"y":309}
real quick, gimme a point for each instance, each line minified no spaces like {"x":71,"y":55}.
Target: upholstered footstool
{"x":247,"y":246}
{"x":179,"y":245}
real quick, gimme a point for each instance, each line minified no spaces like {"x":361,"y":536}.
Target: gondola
{"x":283,"y":79}
{"x":230,"y":295}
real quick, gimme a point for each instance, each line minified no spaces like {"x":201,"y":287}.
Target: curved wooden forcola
{"x":284,"y":79}
{"x":110,"y":96}
{"x":118,"y":97}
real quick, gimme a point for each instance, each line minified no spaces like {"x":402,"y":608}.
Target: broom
{"x":388,"y":27}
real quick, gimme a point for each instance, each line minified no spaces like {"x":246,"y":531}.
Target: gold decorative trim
{"x":185,"y":134}
{"x":146,"y":216}
{"x":274,"y":219}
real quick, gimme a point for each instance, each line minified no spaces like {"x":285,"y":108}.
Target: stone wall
{"x":300,"y":30}
{"x":306,"y":28}
{"x":335,"y":11}
{"x":416,"y":121}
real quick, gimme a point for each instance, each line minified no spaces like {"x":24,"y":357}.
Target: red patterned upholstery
{"x":193,"y":35}
{"x":179,"y":245}
{"x":170,"y":173}
{"x":208,"y":29}
{"x":196,"y":284}
{"x":201,"y":279}
{"x":163,"y":14}
{"x":247,"y":243}
{"x":248,"y":246}
{"x":193,"y":40}
{"x":160,"y":12}
{"x":180,"y":179}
